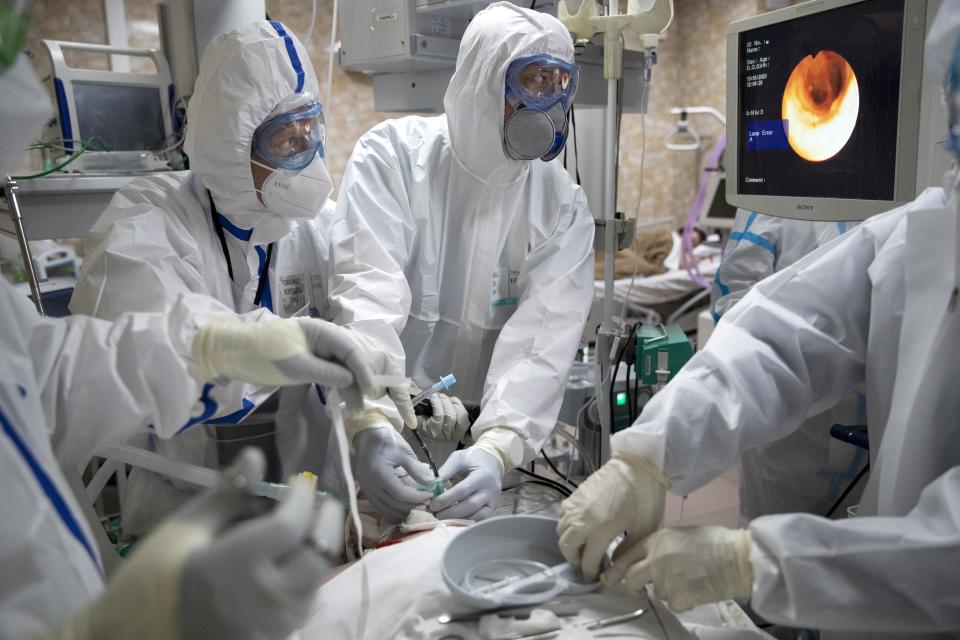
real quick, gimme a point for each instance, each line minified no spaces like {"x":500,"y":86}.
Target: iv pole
{"x":10,"y":189}
{"x":648,"y":19}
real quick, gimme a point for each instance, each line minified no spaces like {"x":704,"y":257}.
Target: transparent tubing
{"x":194,"y":474}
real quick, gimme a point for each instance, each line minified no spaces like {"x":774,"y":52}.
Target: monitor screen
{"x":818,"y":103}
{"x":719,"y":208}
{"x":126,"y":118}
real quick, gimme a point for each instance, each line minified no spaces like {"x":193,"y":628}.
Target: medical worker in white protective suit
{"x":495,"y":240}
{"x":70,"y":386}
{"x":806,"y":471}
{"x":253,"y":203}
{"x":882,"y":306}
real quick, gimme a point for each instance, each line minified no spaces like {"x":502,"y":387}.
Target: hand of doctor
{"x":449,"y":420}
{"x":378,"y":452}
{"x":475,"y":494}
{"x":627,"y":494}
{"x":296,"y":351}
{"x":218,"y":568}
{"x":688,"y":566}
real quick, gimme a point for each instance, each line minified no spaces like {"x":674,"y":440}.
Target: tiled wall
{"x":690,"y":71}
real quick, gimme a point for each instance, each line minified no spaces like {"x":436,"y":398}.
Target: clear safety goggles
{"x":540,"y":81}
{"x":291,"y":140}
{"x":14,"y":22}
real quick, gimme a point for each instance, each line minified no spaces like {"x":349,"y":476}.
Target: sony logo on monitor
{"x":805,"y":207}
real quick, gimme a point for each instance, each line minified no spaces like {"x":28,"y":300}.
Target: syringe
{"x":443,"y":383}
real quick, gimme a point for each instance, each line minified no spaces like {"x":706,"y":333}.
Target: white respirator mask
{"x":296,"y":194}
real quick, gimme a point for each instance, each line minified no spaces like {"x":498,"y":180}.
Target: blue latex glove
{"x":378,"y":453}
{"x":475,"y":495}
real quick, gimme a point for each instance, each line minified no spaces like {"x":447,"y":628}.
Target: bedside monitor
{"x":127,"y":111}
{"x":718,"y":214}
{"x":125,"y":117}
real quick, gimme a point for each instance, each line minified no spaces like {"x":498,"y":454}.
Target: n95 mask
{"x":296,"y":194}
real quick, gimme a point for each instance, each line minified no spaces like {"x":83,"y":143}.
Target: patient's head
{"x":697,"y":236}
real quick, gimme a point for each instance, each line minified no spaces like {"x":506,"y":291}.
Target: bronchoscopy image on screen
{"x":818,"y":99}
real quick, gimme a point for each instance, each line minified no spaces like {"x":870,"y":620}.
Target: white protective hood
{"x":244,"y":75}
{"x":941,"y":40}
{"x":474,"y":103}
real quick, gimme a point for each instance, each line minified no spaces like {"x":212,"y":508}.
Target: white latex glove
{"x":689,"y":566}
{"x":382,"y":364}
{"x":626,"y":495}
{"x":449,"y":421}
{"x":378,"y":453}
{"x":296,"y":351}
{"x":474,"y":496}
{"x":215,"y":570}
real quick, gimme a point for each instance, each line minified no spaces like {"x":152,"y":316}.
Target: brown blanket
{"x":648,"y":253}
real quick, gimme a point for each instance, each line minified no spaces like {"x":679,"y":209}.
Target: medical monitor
{"x":718,"y":214}
{"x":126,"y":118}
{"x":823,"y":102}
{"x":126,"y":111}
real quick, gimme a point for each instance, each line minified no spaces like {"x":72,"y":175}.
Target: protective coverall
{"x":793,"y":347}
{"x":498,"y":252}
{"x":53,"y":412}
{"x":160,"y":237}
{"x":806,"y":471}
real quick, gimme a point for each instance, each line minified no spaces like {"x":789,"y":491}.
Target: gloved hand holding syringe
{"x":445,"y":382}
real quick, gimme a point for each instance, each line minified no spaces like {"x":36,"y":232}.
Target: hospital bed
{"x":673,"y":297}
{"x":398,"y":592}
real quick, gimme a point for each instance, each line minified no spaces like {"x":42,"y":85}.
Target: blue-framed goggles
{"x":540,"y":81}
{"x":291,"y":140}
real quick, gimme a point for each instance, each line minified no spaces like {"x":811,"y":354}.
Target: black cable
{"x":627,"y":389}
{"x":634,"y":412}
{"x":541,"y":483}
{"x":533,"y":3}
{"x":426,"y":451}
{"x":846,"y":492}
{"x":556,"y":485}
{"x":557,"y":471}
{"x":613,"y":380}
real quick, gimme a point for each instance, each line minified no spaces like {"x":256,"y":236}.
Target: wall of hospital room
{"x":690,"y":71}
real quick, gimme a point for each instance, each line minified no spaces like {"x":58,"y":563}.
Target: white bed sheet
{"x":398,"y":591}
{"x":659,"y":289}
